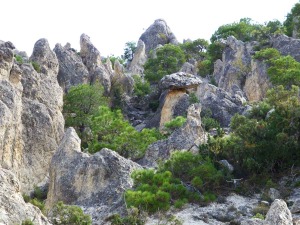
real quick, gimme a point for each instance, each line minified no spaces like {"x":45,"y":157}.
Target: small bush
{"x":193,"y":98}
{"x":141,"y":87}
{"x":259,"y":216}
{"x":267,"y":54}
{"x":27,"y":222}
{"x":134,"y":217}
{"x":69,"y":214}
{"x":180,"y":203}
{"x":209,"y":197}
{"x":19,"y":59}
{"x":175,"y":123}
{"x":36,"y":66}
{"x":209,"y":123}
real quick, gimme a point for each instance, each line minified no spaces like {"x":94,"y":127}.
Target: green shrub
{"x":259,"y":216}
{"x":180,"y":203}
{"x":141,"y":88}
{"x":267,"y":54}
{"x":111,"y":130}
{"x":209,"y":197}
{"x":19,"y":59}
{"x":174,"y":123}
{"x":205,"y":67}
{"x":38,"y":203}
{"x":193,"y":98}
{"x":168,"y":60}
{"x":27,"y":222}
{"x":209,"y":123}
{"x":36,"y":66}
{"x":69,"y":214}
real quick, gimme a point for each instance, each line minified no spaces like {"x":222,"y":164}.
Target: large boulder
{"x":13,"y":209}
{"x":94,"y":182}
{"x":287,"y":45}
{"x":158,"y":33}
{"x":92,"y":60}
{"x":72,"y":71}
{"x":179,"y":80}
{"x":31,"y":120}
{"x":279,"y":214}
{"x":221,"y":104}
{"x":186,"y":138}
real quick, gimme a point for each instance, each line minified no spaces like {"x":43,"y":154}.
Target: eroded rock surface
{"x":13,"y":209}
{"x":158,"y":33}
{"x":94,"y":182}
{"x":72,"y":71}
{"x":186,"y":138}
{"x":139,"y":59}
{"x":31,"y":120}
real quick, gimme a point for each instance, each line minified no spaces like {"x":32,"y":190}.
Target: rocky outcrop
{"x":139,"y":59}
{"x":186,"y":138}
{"x":188,"y":68}
{"x":72,"y":71}
{"x":279,"y":214}
{"x":31,"y":120}
{"x":221,"y":104}
{"x":92,"y":60}
{"x":158,"y":33}
{"x":179,"y":80}
{"x":121,"y":79}
{"x":13,"y":209}
{"x":94,"y":182}
{"x":239,"y":72}
{"x":286,"y":45}
{"x":174,"y":100}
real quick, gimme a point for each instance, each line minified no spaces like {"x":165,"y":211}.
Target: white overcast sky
{"x":110,"y":24}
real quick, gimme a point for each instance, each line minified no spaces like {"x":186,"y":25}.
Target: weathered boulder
{"x":220,"y":103}
{"x":92,"y":60}
{"x":13,"y":209}
{"x":94,"y":182}
{"x":158,"y":33}
{"x":31,"y":120}
{"x":139,"y":59}
{"x":286,"y":45}
{"x":179,"y":80}
{"x":186,"y":138}
{"x":279,"y":214}
{"x":121,"y":79}
{"x":72,"y":71}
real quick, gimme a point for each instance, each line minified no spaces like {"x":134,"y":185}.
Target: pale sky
{"x":110,"y":24}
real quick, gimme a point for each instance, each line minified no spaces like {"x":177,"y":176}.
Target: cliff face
{"x":31,"y":120}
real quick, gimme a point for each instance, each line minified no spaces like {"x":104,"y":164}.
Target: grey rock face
{"x":237,"y":70}
{"x":184,"y":138}
{"x":179,"y":80}
{"x":139,"y":59}
{"x":72,"y":71}
{"x":188,"y":68}
{"x":13,"y":209}
{"x":222,"y":105}
{"x":279,"y":214}
{"x":287,"y":45}
{"x":94,"y":182}
{"x":158,"y":33}
{"x":92,"y":60}
{"x":30,"y":106}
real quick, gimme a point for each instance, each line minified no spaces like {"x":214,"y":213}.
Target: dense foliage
{"x":111,"y":130}
{"x":179,"y":180}
{"x":141,"y":86}
{"x":80,"y":103}
{"x":282,"y":70}
{"x":169,"y":59}
{"x":291,"y":21}
{"x":268,"y":139}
